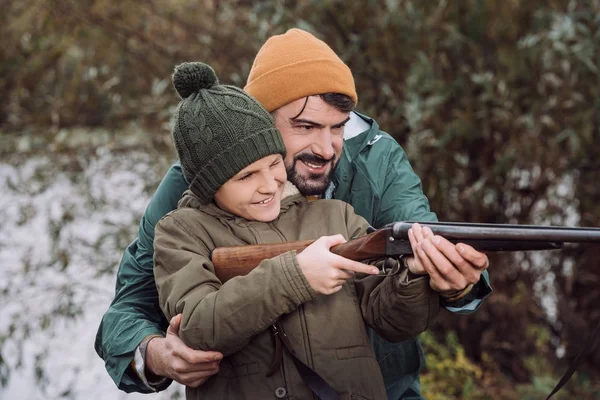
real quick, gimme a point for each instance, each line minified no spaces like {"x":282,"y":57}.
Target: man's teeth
{"x":314,"y":165}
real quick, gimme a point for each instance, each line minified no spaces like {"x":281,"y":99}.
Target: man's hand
{"x":451,"y":268}
{"x":170,"y":357}
{"x":327,"y":272}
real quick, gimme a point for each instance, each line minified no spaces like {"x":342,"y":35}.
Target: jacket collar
{"x":356,"y":144}
{"x":344,"y":172}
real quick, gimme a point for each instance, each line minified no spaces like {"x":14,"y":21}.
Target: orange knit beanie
{"x":294,"y":65}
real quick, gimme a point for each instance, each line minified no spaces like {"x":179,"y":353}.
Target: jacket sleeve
{"x":135,"y":313}
{"x":216,"y":316}
{"x":396,"y":307}
{"x":403,"y":200}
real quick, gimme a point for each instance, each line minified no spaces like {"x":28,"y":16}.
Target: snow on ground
{"x":66,"y":219}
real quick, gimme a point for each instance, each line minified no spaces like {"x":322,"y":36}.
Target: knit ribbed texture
{"x":218,"y":130}
{"x":294,"y":65}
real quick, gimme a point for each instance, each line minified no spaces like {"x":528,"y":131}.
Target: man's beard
{"x":314,"y":184}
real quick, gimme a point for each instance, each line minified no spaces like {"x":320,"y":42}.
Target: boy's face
{"x":254,"y":193}
{"x":313,"y":133}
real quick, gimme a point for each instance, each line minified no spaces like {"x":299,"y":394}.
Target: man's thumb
{"x":174,"y":325}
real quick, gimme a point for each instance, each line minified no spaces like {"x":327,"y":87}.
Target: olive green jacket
{"x":373,"y":175}
{"x":328,"y":333}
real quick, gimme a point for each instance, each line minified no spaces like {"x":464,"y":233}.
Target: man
{"x":331,"y":152}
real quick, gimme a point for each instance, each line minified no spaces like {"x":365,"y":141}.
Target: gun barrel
{"x":457,"y":231}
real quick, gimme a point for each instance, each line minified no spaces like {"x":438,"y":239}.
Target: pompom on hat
{"x":294,"y":65}
{"x":190,"y":78}
{"x":218,"y":130}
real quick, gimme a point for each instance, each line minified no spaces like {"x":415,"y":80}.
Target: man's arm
{"x":131,"y":317}
{"x":134,"y":314}
{"x":403,"y":200}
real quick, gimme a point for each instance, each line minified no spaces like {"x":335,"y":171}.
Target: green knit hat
{"x":218,"y":130}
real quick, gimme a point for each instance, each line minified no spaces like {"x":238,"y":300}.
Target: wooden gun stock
{"x":240,"y":260}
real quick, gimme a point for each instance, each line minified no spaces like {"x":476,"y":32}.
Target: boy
{"x":294,"y":326}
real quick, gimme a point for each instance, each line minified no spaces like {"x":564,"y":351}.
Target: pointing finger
{"x":355,"y":266}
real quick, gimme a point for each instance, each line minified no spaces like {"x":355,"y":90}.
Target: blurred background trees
{"x":496,"y":102}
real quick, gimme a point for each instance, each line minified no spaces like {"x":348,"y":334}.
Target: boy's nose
{"x":269,"y":183}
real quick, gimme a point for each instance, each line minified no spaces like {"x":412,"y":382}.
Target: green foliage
{"x":102,"y":63}
{"x":450,"y":374}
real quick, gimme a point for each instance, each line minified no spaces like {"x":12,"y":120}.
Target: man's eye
{"x":306,"y":127}
{"x":338,"y":129}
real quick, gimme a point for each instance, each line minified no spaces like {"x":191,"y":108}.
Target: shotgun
{"x":392,"y":241}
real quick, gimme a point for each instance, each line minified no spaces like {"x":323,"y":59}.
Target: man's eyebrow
{"x":341,"y":123}
{"x":313,"y":123}
{"x":306,"y":121}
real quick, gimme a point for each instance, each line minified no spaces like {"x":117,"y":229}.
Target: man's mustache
{"x":312,"y":159}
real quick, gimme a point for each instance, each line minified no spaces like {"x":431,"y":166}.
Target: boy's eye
{"x":244,"y":177}
{"x":277,"y":162}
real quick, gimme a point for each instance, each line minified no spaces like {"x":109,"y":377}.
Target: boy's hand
{"x":327,"y":272}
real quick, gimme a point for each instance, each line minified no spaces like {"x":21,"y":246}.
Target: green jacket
{"x":327,"y":333}
{"x":373,"y":175}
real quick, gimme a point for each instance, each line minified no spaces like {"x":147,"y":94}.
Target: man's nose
{"x":323,"y":145}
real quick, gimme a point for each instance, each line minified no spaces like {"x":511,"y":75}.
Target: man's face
{"x":314,"y":137}
{"x":254,"y":193}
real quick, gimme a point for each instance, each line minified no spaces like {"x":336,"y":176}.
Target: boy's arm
{"x":134,"y":314}
{"x":398,"y":307}
{"x":216,"y":316}
{"x":403,"y":200}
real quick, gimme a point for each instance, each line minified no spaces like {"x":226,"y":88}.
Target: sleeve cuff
{"x":139,"y":366}
{"x":293,"y":273}
{"x":472,"y":300}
